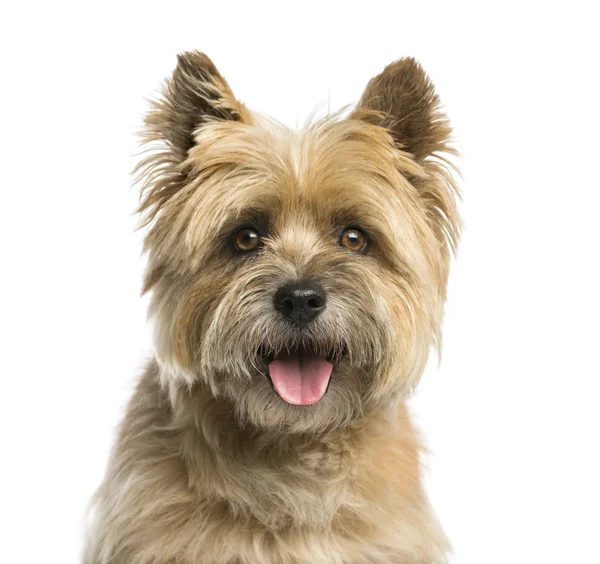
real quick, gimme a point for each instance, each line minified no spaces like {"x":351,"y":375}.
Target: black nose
{"x":300,"y":301}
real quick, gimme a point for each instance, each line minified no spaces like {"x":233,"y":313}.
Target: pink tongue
{"x":300,"y":378}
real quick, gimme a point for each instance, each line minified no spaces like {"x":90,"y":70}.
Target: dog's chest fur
{"x":179,"y":492}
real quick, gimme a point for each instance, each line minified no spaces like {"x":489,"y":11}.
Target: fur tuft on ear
{"x":402,"y":100}
{"x":195,"y":93}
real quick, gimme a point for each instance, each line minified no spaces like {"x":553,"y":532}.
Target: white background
{"x":511,"y":415}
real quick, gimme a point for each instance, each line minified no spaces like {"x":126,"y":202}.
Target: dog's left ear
{"x":402,"y":100}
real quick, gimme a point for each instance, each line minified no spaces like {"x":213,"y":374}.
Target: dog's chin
{"x":302,"y":389}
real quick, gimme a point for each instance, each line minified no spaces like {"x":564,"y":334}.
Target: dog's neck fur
{"x":277,"y":478}
{"x":355,"y":489}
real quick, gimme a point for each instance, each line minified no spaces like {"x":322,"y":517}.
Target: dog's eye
{"x":246,"y":239}
{"x":354,"y":240}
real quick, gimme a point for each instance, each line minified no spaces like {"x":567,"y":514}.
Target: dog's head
{"x":299,"y":276}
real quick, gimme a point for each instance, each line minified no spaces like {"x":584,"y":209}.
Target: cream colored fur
{"x":211,"y":466}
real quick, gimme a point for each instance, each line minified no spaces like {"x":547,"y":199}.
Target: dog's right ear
{"x":195,"y":92}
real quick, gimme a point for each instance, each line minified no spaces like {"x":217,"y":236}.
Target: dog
{"x":297,"y":285}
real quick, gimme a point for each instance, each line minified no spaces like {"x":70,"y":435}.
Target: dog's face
{"x":298,"y":276}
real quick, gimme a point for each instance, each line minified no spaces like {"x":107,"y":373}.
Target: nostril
{"x":314,"y":303}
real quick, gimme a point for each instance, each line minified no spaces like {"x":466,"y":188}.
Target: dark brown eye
{"x":354,"y":240}
{"x":246,"y":239}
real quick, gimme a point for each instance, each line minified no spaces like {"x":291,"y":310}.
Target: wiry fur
{"x":210,"y":465}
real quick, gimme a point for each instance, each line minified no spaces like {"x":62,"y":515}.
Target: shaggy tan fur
{"x":211,"y":465}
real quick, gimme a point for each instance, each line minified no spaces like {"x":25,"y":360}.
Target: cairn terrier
{"x":297,"y":285}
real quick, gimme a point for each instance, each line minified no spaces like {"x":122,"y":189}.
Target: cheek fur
{"x":211,"y":325}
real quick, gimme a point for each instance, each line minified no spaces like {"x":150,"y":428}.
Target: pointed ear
{"x":402,"y":100}
{"x":194,"y":93}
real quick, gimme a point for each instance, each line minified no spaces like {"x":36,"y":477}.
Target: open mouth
{"x":300,"y":376}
